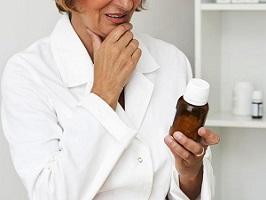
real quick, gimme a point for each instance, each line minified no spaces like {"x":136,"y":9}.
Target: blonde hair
{"x":68,"y":6}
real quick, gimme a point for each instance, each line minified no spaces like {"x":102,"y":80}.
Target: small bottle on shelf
{"x":192,"y":109}
{"x":257,"y":105}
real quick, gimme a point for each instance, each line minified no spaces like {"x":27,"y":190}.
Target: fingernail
{"x":202,"y":130}
{"x":218,"y":139}
{"x":129,"y":26}
{"x":177,"y":135}
{"x":168,"y":139}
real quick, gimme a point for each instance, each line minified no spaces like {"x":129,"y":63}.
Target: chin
{"x":106,"y":30}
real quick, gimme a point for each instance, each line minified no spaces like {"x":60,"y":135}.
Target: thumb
{"x":96,"y":40}
{"x":208,"y":137}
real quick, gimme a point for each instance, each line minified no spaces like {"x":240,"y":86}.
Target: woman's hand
{"x":188,"y":158}
{"x":115,"y":59}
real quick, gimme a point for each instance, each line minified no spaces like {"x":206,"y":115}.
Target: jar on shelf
{"x":257,"y":105}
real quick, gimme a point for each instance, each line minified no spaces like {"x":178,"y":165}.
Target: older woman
{"x":86,"y":112}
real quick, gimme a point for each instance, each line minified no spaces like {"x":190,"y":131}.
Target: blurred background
{"x":225,"y":44}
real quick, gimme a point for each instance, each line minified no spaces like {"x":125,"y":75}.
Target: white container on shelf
{"x":242,"y":97}
{"x":223,"y":1}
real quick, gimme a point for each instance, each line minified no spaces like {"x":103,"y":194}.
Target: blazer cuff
{"x":109,"y":119}
{"x":207,"y":187}
{"x":208,"y":183}
{"x":175,"y":193}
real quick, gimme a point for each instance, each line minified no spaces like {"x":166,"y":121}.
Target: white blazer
{"x":68,"y":144}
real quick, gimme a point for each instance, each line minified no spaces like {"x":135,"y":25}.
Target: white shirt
{"x":67,"y":143}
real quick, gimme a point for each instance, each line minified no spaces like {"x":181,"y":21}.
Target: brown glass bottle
{"x":191,"y":116}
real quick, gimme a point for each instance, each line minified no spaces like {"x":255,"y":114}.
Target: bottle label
{"x":257,"y":109}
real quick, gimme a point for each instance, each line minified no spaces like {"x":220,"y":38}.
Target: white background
{"x":24,"y":21}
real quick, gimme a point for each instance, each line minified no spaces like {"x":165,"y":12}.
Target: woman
{"x":86,"y":112}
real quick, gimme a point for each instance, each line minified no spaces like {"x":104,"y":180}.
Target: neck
{"x":81,"y":31}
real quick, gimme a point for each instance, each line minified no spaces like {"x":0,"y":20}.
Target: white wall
{"x":170,"y":20}
{"x":24,"y":21}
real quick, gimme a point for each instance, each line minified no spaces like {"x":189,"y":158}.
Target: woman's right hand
{"x":115,"y":59}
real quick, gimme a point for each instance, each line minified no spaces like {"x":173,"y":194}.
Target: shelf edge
{"x":233,"y":7}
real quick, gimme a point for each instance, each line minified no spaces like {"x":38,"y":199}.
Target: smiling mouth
{"x":116,"y":16}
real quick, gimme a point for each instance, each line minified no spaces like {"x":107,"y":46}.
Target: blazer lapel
{"x":137,"y":98}
{"x":139,"y":90}
{"x":72,"y":59}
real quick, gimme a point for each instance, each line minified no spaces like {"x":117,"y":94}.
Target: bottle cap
{"x":257,"y":95}
{"x":197,"y":92}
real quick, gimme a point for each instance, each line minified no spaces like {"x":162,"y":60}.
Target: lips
{"x":117,"y":18}
{"x":116,"y":15}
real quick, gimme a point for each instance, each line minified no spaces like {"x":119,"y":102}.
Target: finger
{"x":130,"y":56}
{"x":189,"y":144}
{"x":178,"y":150}
{"x":208,"y":137}
{"x":125,"y":39}
{"x":136,"y":56}
{"x":96,"y":40}
{"x":132,"y":47}
{"x":115,"y":35}
{"x":131,"y":64}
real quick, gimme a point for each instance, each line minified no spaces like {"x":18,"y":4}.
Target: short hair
{"x":66,"y":6}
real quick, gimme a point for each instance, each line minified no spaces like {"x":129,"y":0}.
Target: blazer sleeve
{"x":207,"y":187}
{"x":54,"y":162}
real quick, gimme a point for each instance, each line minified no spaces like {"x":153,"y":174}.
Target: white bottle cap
{"x":257,"y":95}
{"x":197,"y":92}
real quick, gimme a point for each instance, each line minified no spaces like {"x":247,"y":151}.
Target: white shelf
{"x":222,"y":58}
{"x":232,"y":7}
{"x":230,"y":120}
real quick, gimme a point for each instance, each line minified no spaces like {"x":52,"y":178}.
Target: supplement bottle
{"x":257,"y":105}
{"x":192,"y":109}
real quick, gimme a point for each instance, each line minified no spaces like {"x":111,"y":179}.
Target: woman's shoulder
{"x":38,"y":52}
{"x":31,"y":63}
{"x":167,"y":55}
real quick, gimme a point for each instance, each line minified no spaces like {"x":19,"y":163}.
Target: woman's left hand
{"x":189,"y":154}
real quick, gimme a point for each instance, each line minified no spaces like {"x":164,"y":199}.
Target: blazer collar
{"x":73,"y":61}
